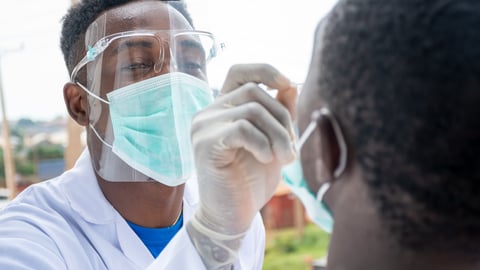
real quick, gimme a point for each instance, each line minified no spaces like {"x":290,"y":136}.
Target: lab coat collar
{"x":84,"y":194}
{"x":87,"y":199}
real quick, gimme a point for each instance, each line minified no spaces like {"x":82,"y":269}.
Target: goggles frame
{"x":104,"y":42}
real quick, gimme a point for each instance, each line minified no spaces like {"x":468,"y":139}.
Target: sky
{"x":33,"y":72}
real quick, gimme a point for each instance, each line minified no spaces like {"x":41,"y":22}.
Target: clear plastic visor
{"x":117,"y":60}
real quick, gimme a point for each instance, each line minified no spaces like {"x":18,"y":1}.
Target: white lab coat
{"x":66,"y":223}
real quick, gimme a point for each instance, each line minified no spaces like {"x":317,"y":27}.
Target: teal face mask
{"x":151,"y":125}
{"x":316,"y":209}
{"x":292,"y":175}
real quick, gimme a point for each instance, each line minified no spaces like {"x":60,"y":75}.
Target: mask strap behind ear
{"x":342,"y":162}
{"x":100,"y":137}
{"x":92,"y":94}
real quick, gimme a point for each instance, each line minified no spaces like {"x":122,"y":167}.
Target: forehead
{"x":146,"y":15}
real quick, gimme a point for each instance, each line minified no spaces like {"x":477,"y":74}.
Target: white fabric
{"x":66,"y":223}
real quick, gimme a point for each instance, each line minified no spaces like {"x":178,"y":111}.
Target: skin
{"x":359,"y":240}
{"x":148,"y":204}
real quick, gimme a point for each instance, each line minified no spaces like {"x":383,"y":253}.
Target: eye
{"x":137,"y":66}
{"x":191,"y":66}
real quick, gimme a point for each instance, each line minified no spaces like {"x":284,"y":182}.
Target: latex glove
{"x":241,"y":142}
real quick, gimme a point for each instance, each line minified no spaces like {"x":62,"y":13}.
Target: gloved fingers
{"x":251,"y":92}
{"x":240,"y":74}
{"x":224,"y":140}
{"x":288,"y":98}
{"x":251,"y":119}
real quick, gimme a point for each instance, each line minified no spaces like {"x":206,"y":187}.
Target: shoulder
{"x":38,"y":207}
{"x":29,"y":223}
{"x":47,"y":194}
{"x":39,"y":228}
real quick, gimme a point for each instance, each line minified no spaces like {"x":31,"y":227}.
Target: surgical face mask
{"x":316,"y":209}
{"x":151,"y":125}
{"x":293,"y":177}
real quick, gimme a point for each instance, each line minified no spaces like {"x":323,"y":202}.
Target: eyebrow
{"x":191,"y":44}
{"x":130,"y":44}
{"x":188,"y":43}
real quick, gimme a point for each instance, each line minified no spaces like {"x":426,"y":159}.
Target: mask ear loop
{"x":99,"y":137}
{"x":102,"y":100}
{"x":91,"y":93}
{"x":342,"y":162}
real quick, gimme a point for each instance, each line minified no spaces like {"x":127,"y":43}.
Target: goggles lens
{"x":129,"y":57}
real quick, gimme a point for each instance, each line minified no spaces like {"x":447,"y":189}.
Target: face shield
{"x":131,"y":49}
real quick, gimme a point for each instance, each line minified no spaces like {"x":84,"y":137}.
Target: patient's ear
{"x":329,"y":145}
{"x":76,"y":102}
{"x":322,"y":158}
{"x":334,"y":152}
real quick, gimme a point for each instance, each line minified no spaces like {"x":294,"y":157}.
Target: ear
{"x":76,"y":102}
{"x":332,"y":144}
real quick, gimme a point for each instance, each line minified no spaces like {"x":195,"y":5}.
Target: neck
{"x":360,"y":241}
{"x":148,"y":204}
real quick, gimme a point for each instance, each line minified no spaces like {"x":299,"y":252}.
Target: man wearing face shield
{"x":390,"y":135}
{"x":138,"y":77}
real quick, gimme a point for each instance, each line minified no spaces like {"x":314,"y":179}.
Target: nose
{"x":163,"y":64}
{"x":162,"y":67}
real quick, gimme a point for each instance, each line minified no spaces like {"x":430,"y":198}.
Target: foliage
{"x":24,"y":123}
{"x":25,"y":158}
{"x":285,"y":250}
{"x":45,"y":151}
{"x":22,"y":166}
{"x":26,"y":165}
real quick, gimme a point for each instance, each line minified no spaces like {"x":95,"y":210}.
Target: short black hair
{"x":82,"y":14}
{"x":403,"y":77}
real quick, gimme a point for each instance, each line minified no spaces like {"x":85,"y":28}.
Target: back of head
{"x":403,"y":77}
{"x":81,"y":15}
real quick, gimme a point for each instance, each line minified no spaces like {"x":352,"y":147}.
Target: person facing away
{"x":391,"y":135}
{"x":138,"y":76}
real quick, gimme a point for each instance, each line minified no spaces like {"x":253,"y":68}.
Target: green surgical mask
{"x":151,"y":122}
{"x":316,"y":209}
{"x":293,"y":177}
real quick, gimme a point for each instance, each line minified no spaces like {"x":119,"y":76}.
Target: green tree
{"x":45,"y":151}
{"x":24,"y":167}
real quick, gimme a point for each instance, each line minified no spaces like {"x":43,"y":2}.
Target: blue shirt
{"x":156,"y":239}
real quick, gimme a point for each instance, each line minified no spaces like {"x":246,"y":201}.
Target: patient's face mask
{"x":293,"y":176}
{"x":144,"y":87}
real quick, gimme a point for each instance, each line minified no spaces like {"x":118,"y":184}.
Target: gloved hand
{"x":240,"y":142}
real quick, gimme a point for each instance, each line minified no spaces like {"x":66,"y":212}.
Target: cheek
{"x":312,"y":165}
{"x":303,"y":117}
{"x":99,"y":117}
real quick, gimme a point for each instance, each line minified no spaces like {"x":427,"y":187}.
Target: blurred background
{"x":39,"y":141}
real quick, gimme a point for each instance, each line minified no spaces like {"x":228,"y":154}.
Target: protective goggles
{"x":121,"y":59}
